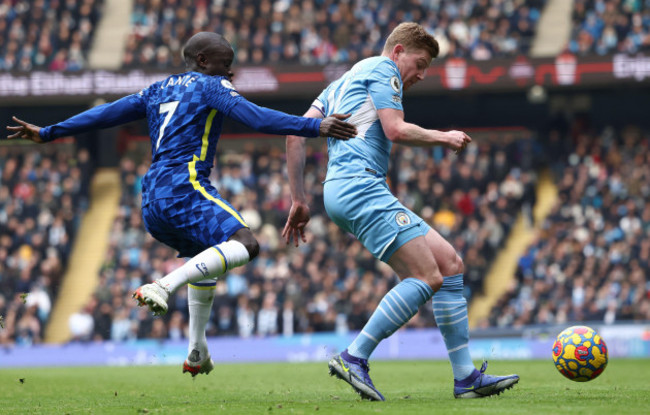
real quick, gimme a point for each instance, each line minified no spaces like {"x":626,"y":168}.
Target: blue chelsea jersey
{"x":370,"y":85}
{"x":185,"y":114}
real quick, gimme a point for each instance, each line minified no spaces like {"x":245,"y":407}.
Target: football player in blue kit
{"x":358,"y":199}
{"x":179,"y":205}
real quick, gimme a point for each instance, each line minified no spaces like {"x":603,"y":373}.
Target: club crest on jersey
{"x":226,"y":84}
{"x":402,"y":219}
{"x":394,"y":83}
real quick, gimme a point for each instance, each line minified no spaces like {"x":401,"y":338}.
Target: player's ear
{"x":398,"y":49}
{"x":201,"y":60}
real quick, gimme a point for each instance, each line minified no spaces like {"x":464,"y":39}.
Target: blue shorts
{"x":192,"y":223}
{"x":365,"y":207}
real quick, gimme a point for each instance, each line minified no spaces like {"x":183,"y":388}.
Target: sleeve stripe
{"x":319,"y":109}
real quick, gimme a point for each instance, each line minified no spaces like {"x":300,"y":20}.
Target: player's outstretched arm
{"x":270,"y":121}
{"x":122,"y":111}
{"x":399,"y":131}
{"x":299,"y":214}
{"x":25,"y":131}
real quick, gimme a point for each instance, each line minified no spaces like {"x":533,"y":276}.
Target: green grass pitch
{"x":412,"y":387}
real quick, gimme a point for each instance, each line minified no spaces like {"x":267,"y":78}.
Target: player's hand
{"x":457,"y":140}
{"x":334,"y":126}
{"x":296,"y":222}
{"x":25,"y":131}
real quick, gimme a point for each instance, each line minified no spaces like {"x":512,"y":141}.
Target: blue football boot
{"x":355,"y":371}
{"x":480,"y":385}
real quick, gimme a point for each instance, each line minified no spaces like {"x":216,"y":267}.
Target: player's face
{"x":412,"y":66}
{"x":219,"y":62}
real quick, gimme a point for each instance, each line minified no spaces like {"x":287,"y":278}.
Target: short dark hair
{"x":201,"y":42}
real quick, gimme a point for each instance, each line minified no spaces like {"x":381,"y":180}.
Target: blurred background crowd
{"x":53,"y":35}
{"x":601,"y":26}
{"x":591,"y":258}
{"x":326,"y":31}
{"x":57,"y":34}
{"x":43,"y":195}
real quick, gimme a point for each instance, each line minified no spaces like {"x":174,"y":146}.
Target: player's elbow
{"x":394,"y":133}
{"x":291,"y":139}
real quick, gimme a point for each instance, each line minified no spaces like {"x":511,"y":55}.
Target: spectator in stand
{"x":590,"y":260}
{"x":322,"y":32}
{"x":40,"y":203}
{"x":610,"y":26}
{"x":47,"y":34}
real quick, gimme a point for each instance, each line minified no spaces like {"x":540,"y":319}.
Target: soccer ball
{"x":580,"y":354}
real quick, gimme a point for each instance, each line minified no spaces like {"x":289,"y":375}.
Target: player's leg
{"x":420,"y":278}
{"x":450,"y":310}
{"x":214,"y":261}
{"x":450,"y":306}
{"x":209,"y":264}
{"x":200,"y":296}
{"x":365,"y":207}
{"x":190,"y":224}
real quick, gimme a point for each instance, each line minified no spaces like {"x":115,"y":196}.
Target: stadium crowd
{"x":43,"y":194}
{"x":326,"y":31}
{"x":57,"y":35}
{"x":53,"y":35}
{"x":610,"y":26}
{"x":590,"y":260}
{"x":331,"y":283}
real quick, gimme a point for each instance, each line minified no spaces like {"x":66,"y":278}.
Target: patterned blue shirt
{"x":185,"y":113}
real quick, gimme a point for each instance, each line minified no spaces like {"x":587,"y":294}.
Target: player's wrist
{"x":44,"y":134}
{"x":299,"y":201}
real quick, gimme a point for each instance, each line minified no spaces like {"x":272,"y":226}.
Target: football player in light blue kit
{"x":179,"y":205}
{"x":359,"y":201}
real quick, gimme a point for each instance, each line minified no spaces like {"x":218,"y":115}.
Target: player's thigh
{"x":446,"y":257}
{"x":366,"y":208}
{"x":414,"y":259}
{"x":192,"y":223}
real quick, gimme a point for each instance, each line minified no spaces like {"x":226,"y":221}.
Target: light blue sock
{"x":450,"y":310}
{"x":395,"y":309}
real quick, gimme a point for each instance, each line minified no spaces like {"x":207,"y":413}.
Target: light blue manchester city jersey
{"x":372,"y":84}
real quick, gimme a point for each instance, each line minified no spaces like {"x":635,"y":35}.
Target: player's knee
{"x":253,"y":248}
{"x":433,"y":280}
{"x":453,"y":266}
{"x":436,"y":282}
{"x":246,"y":238}
{"x":251,"y":245}
{"x":457,"y":266}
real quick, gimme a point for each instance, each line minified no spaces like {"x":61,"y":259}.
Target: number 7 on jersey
{"x":169,"y":108}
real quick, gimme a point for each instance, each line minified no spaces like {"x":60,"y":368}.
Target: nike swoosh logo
{"x":345,"y":368}
{"x":470,"y":388}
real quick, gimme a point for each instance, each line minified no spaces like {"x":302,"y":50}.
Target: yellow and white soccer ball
{"x":580,"y":354}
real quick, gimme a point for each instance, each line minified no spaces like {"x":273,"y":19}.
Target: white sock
{"x":199,"y":298}
{"x":209,"y":264}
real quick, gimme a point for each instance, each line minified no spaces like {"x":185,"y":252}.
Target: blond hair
{"x":413,"y":37}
